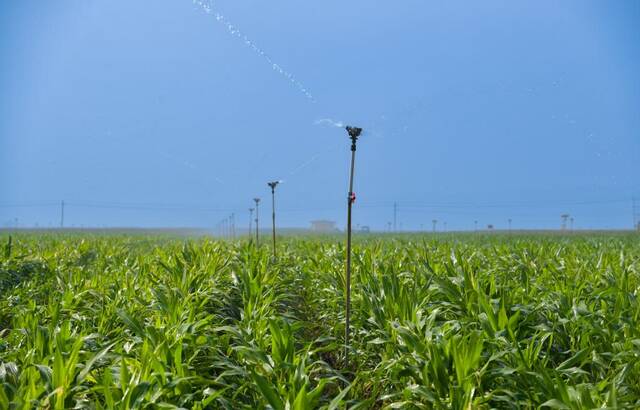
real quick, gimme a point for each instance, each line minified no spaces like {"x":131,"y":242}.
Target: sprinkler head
{"x":273,"y":184}
{"x":354,"y":132}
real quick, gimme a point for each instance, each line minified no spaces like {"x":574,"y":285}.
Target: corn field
{"x":456,"y":322}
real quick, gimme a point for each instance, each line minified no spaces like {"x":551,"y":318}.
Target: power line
{"x":411,"y":207}
{"x":511,"y":205}
{"x":42,"y":204}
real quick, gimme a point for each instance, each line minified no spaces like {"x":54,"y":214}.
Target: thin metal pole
{"x":257,"y":222}
{"x":250,"y":221}
{"x":273,"y":218}
{"x":348,"y":279}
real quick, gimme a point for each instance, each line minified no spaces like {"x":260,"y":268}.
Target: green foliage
{"x":456,"y":323}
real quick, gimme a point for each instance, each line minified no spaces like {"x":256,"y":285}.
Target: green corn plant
{"x":463,"y":321}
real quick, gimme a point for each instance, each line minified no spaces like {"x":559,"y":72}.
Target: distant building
{"x":323,"y":226}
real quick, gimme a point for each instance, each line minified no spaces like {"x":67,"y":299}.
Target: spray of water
{"x":371,"y":130}
{"x":207,"y":6}
{"x":313,"y":159}
{"x":329,"y":122}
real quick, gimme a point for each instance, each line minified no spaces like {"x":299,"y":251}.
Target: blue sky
{"x":141,"y":113}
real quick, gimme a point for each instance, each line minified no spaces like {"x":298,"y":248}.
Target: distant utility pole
{"x":250,"y":221}
{"x":434,"y":222}
{"x":509,"y":220}
{"x":564,"y":217}
{"x":395,"y":217}
{"x":62,"y":214}
{"x":257,"y":201}
{"x":475,"y":226}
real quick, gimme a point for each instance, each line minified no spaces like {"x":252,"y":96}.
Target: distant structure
{"x":395,"y":217}
{"x":322,"y":225}
{"x":365,"y":229}
{"x":490,"y":227}
{"x":564,"y":217}
{"x":62,"y":214}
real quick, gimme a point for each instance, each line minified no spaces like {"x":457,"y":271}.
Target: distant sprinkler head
{"x":273,"y":184}
{"x":354,"y":132}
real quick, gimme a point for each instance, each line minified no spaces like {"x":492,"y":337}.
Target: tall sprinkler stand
{"x":354,"y":133}
{"x":273,"y":186}
{"x":257,"y":201}
{"x":250,"y":221}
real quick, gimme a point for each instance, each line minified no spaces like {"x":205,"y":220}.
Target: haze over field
{"x":175,"y":113}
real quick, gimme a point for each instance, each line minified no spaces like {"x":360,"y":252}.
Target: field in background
{"x":446,"y":321}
